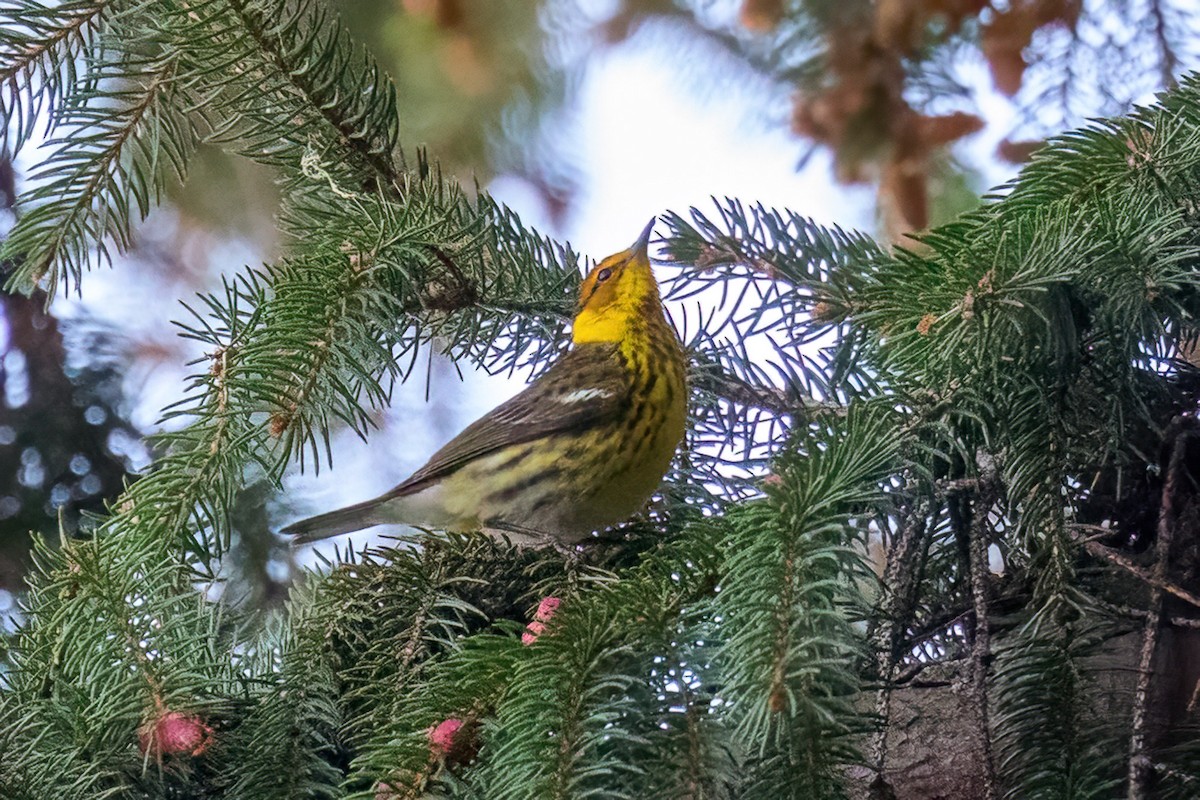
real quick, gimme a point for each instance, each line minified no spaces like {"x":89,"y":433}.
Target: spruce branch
{"x":1051,"y":739}
{"x":294,"y":395}
{"x":289,"y":735}
{"x":106,"y":171}
{"x":757,"y":395}
{"x":770,"y":245}
{"x":1121,"y":611}
{"x":594,"y":694}
{"x":896,"y":604}
{"x":980,"y":535}
{"x":587,"y":698}
{"x":1148,"y":576}
{"x":785,"y":585}
{"x":312,"y":54}
{"x":40,"y":47}
{"x":1140,"y":764}
{"x":111,"y":608}
{"x":444,"y":649}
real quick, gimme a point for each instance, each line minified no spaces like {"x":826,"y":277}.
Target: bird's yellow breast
{"x":572,"y":483}
{"x":649,"y":436}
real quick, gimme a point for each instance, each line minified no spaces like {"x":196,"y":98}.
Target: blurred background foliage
{"x":1034,"y":325}
{"x":896,"y":94}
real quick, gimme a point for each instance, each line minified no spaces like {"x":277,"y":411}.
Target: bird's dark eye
{"x":603,"y":275}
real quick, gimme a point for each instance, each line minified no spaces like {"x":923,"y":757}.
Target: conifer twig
{"x":79,"y":201}
{"x":322,"y":99}
{"x":1150,"y":577}
{"x":1140,"y":766}
{"x":978,"y":535}
{"x":75,"y":22}
{"x":897,"y":604}
{"x":768,"y":398}
{"x":1139,"y":613}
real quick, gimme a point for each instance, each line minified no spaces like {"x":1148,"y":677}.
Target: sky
{"x":650,"y":137}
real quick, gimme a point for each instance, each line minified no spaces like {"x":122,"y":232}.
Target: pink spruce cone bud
{"x":545,"y":611}
{"x":453,"y":741}
{"x":174,"y":733}
{"x":532,"y":631}
{"x":441,"y":736}
{"x":386,"y":791}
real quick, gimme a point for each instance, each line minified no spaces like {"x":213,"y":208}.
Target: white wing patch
{"x":583,"y":395}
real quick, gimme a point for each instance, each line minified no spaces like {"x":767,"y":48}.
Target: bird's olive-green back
{"x":588,"y":386}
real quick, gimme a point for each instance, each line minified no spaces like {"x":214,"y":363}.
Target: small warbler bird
{"x":581,"y":448}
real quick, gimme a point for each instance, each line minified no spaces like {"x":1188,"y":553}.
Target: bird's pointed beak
{"x":641,"y":248}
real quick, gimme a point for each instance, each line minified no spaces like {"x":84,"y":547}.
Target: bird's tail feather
{"x":344,"y":520}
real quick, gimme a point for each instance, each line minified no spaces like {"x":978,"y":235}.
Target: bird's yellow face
{"x":617,"y":292}
{"x":613,"y":281}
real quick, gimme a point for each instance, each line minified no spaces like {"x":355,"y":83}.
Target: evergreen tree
{"x":1015,"y":388}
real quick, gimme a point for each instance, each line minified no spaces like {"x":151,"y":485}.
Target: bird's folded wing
{"x":585,"y":387}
